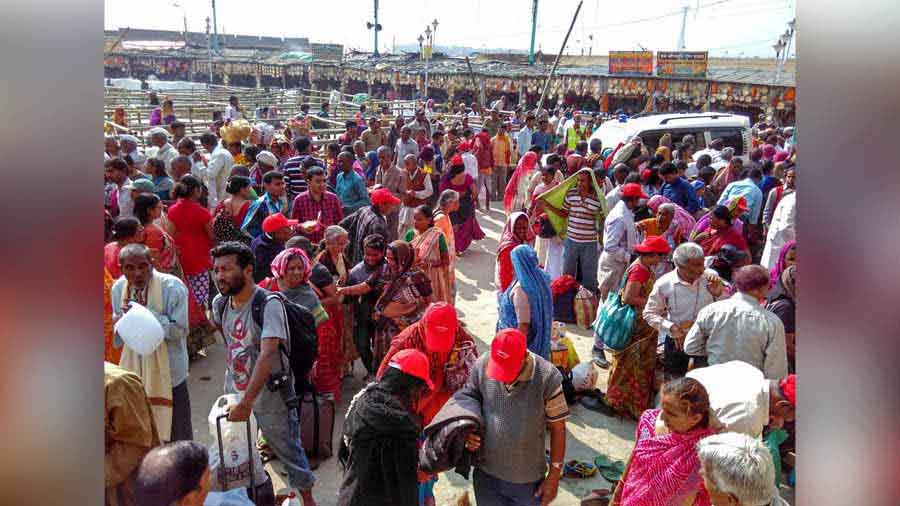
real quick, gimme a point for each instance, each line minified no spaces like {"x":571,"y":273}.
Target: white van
{"x":733,"y":129}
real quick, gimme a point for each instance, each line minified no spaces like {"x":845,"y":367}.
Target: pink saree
{"x":664,"y":470}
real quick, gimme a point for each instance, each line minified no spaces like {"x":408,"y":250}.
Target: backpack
{"x":303,"y":342}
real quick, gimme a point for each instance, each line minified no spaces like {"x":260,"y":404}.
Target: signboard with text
{"x":631,"y":62}
{"x":682,"y":63}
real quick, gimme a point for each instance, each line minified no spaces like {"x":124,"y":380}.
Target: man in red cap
{"x":743,"y":400}
{"x":368,"y":220}
{"x":437,"y":334}
{"x":619,"y":239}
{"x":276,"y":231}
{"x":520,"y":394}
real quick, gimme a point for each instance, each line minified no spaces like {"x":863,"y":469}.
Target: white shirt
{"x":126,"y":203}
{"x":471,"y":164}
{"x":166,"y":153}
{"x":523,"y":140}
{"x":619,"y":233}
{"x":613,"y":197}
{"x":738,"y":395}
{"x":674,"y":301}
{"x":714,"y":154}
{"x":231,"y":112}
{"x":739,"y":328}
{"x":217,"y":171}
{"x":137,"y":157}
{"x":782,"y":229}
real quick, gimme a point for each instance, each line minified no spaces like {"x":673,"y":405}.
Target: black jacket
{"x":445,"y":437}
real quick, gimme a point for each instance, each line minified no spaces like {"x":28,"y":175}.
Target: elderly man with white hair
{"x":161,"y":149}
{"x":737,"y":470}
{"x":676,"y":299}
{"x":128,"y":146}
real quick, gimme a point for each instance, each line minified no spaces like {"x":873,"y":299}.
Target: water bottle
{"x":292,"y":500}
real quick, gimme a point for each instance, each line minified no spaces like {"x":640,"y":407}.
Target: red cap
{"x":384,"y":196}
{"x":645,"y":174}
{"x":507,"y":354}
{"x":463,"y":146}
{"x":633,"y":190}
{"x":456,"y":160}
{"x":440,"y":327}
{"x":275,"y":222}
{"x":789,"y":387}
{"x":414,"y":363}
{"x":653,"y":244}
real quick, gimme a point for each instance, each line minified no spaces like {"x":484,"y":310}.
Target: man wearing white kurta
{"x":782,"y":229}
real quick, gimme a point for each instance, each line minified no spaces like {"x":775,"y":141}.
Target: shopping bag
{"x":234,"y":458}
{"x":615,"y":320}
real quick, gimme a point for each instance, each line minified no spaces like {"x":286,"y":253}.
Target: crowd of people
{"x":363,"y":235}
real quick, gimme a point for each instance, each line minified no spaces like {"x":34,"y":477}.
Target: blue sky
{"x":723,"y":27}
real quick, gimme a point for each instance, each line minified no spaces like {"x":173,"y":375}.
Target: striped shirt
{"x":293,"y":171}
{"x":583,"y":213}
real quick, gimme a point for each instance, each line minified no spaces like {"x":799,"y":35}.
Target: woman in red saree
{"x":516,"y":231}
{"x":720,"y":233}
{"x":664,"y":469}
{"x":432,"y":253}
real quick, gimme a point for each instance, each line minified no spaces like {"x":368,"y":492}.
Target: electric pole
{"x":684,"y":12}
{"x":375,"y":27}
{"x":215,"y":28}
{"x":209,"y":51}
{"x":540,"y":103}
{"x":534,"y":8}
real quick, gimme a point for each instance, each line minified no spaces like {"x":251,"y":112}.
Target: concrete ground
{"x":589,"y":433}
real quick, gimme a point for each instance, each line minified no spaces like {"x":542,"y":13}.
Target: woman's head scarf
{"x":536,"y":284}
{"x":508,"y":237}
{"x":789,"y":281}
{"x":281,"y":261}
{"x":779,"y":266}
{"x":403,"y":254}
{"x":664,"y":152}
{"x":682,"y":218}
{"x":525,"y":167}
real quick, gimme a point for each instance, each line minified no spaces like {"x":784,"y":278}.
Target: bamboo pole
{"x":540,"y":103}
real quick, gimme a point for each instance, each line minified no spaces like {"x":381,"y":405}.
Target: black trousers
{"x":675,"y":361}
{"x":181,"y":414}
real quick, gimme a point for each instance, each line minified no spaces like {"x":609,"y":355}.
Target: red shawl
{"x":718,"y":238}
{"x":413,"y":337}
{"x":523,"y":169}
{"x":664,"y":469}
{"x":505,"y":273}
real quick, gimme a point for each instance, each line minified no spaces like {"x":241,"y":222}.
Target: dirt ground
{"x":589,"y":433}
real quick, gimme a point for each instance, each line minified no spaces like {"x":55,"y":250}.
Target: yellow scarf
{"x":154,"y":368}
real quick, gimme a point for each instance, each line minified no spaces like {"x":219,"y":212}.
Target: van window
{"x":650,"y":138}
{"x":732,"y":136}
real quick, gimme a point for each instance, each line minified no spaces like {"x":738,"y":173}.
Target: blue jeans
{"x":491,"y":491}
{"x":282,"y":433}
{"x":582,"y":257}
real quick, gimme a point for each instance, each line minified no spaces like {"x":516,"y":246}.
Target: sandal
{"x":576,"y":469}
{"x":597,"y":497}
{"x":614,"y":473}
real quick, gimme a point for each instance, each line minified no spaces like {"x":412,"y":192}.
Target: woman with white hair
{"x":676,"y":299}
{"x":332,"y":254}
{"x":737,"y":470}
